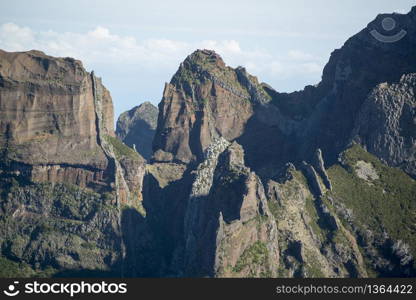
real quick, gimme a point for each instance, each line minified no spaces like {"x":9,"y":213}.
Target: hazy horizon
{"x":136,"y":46}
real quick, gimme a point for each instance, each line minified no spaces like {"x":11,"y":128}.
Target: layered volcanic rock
{"x":47,"y":128}
{"x":386,"y":125}
{"x":136,"y":128}
{"x":64,"y":177}
{"x":229,"y":231}
{"x":243,"y":181}
{"x":361,"y":64}
{"x":207,"y":99}
{"x":204,"y":100}
{"x":364,"y":96}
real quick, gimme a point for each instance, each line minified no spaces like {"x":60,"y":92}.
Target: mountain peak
{"x":205,"y":99}
{"x":205,"y":56}
{"x":136,"y":127}
{"x":146,"y":105}
{"x":198,"y":62}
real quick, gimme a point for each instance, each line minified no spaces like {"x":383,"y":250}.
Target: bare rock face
{"x":351,"y":74}
{"x":208,"y":105}
{"x":57,"y":123}
{"x":136,"y":128}
{"x":204,"y":100}
{"x":73,"y":196}
{"x":229,"y":231}
{"x":317,"y":188}
{"x":324,"y":116}
{"x":318,"y":163}
{"x":386,"y":125}
{"x":64,"y":177}
{"x":48,"y":127}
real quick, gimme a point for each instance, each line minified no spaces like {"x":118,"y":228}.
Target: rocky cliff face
{"x":229,"y":231}
{"x":378,"y":211}
{"x":244,"y":181}
{"x":305,"y":136}
{"x":64,"y":176}
{"x":349,"y":77}
{"x":312,"y":240}
{"x":136,"y":128}
{"x":204,"y":100}
{"x":386,"y":125}
{"x":48,"y":132}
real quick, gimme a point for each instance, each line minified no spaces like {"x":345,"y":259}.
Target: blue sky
{"x":136,"y":46}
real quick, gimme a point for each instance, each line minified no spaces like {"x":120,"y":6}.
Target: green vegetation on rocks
{"x":9,"y":268}
{"x":384,"y":205}
{"x":120,"y":149}
{"x":70,"y":225}
{"x":254,"y":256}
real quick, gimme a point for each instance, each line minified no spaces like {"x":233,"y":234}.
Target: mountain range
{"x":227,"y":177}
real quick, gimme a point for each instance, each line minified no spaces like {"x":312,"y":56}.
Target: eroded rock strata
{"x":65,"y":178}
{"x":241,"y":181}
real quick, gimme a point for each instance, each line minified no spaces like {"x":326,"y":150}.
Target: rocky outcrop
{"x":57,"y":122}
{"x":308,"y":246}
{"x":208,"y":105}
{"x":48,"y":129}
{"x":204,"y":100}
{"x":386,"y":125}
{"x":319,"y":165}
{"x":136,"y":128}
{"x":314,"y":181}
{"x":378,"y":210}
{"x":74,"y":197}
{"x":65,"y":178}
{"x":229,"y":231}
{"x":352,"y":72}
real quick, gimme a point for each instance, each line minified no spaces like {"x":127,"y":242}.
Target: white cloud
{"x":287,"y":69}
{"x":401,"y":11}
{"x":100,"y":46}
{"x":300,"y":55}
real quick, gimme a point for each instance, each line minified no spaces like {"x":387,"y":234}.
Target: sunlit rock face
{"x":48,"y":119}
{"x":241,"y":181}
{"x":64,"y":177}
{"x":204,"y":100}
